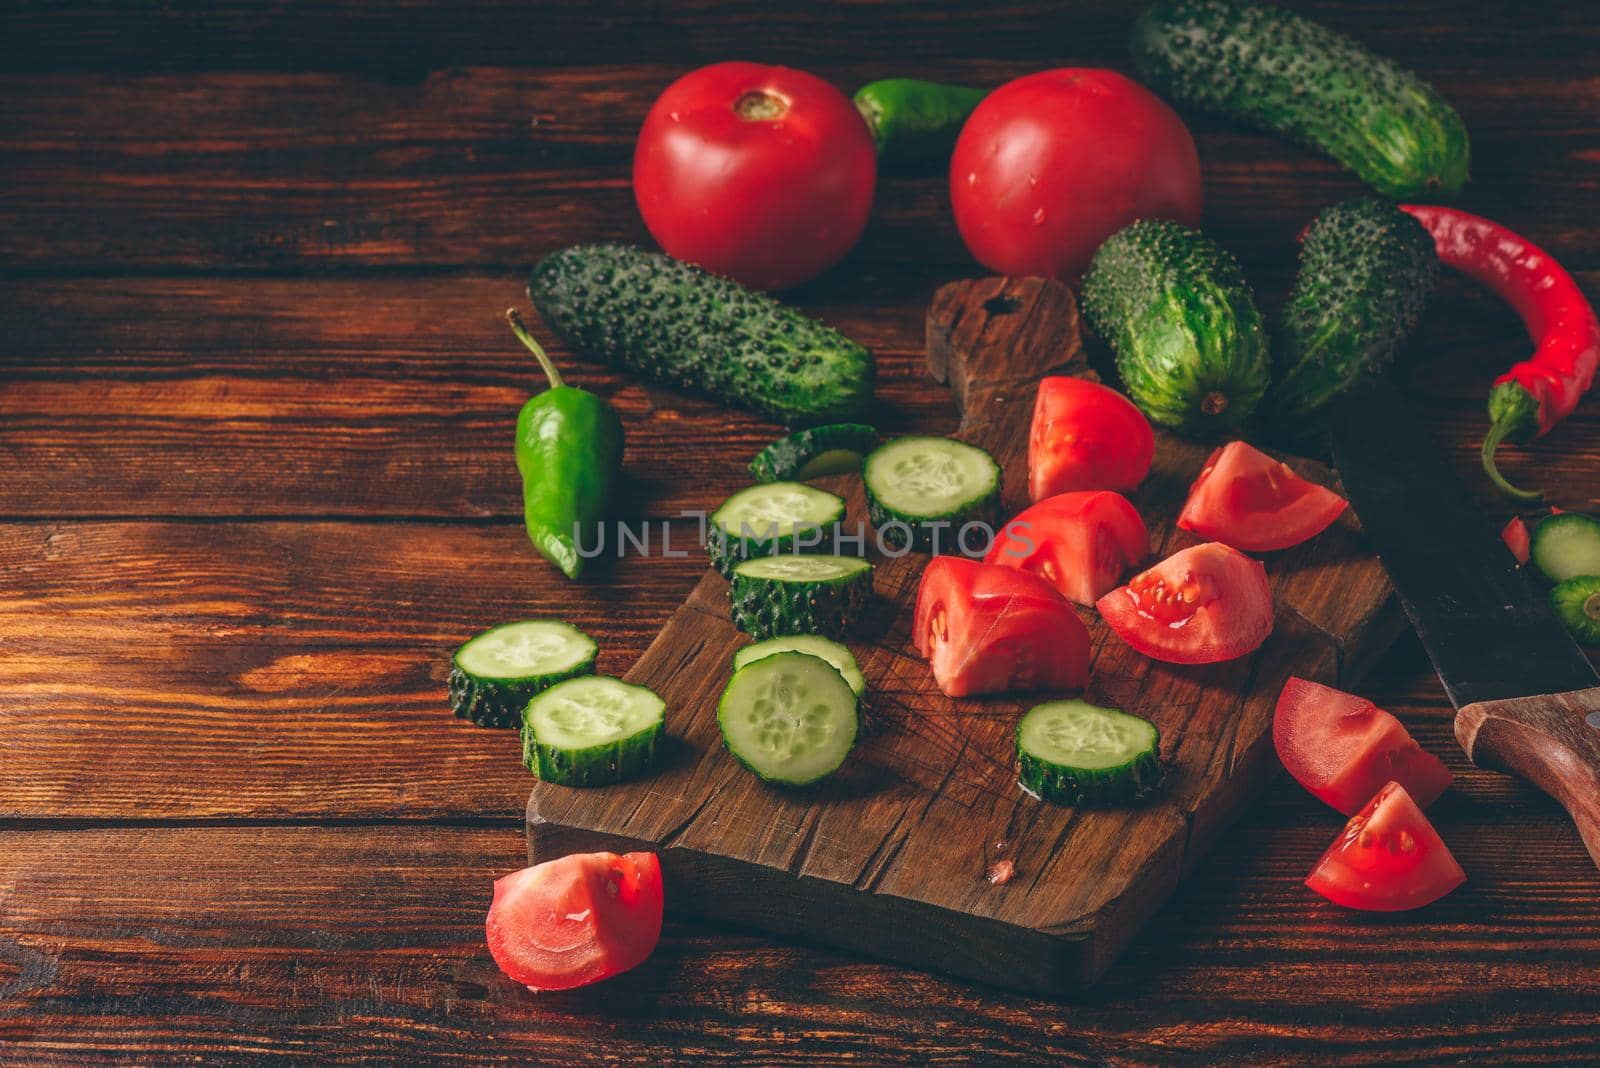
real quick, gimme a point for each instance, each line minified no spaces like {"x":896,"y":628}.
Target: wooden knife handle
{"x":1552,"y":741}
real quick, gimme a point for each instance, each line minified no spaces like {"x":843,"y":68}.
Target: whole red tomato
{"x":1052,"y":164}
{"x":763,"y":174}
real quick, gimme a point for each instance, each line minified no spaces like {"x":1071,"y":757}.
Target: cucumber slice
{"x":496,"y":673}
{"x":1075,"y":753}
{"x":1577,"y":602}
{"x":1566,"y":545}
{"x":811,"y":594}
{"x":591,"y":731}
{"x":835,"y":449}
{"x":921,"y":491}
{"x":790,"y":717}
{"x":769,"y":519}
{"x":831,"y":651}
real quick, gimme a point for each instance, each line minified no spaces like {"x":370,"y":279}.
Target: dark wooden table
{"x":256,"y":403}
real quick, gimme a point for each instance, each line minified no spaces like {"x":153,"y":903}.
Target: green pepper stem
{"x":1491,"y":441}
{"x":523,"y":335}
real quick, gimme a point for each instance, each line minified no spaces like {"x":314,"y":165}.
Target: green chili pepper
{"x":569,"y":450}
{"x":915,"y":123}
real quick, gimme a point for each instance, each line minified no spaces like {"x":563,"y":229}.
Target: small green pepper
{"x":915,"y":123}
{"x":569,"y":450}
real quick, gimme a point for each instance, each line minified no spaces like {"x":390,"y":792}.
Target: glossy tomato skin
{"x":1205,"y":604}
{"x":1344,"y":748}
{"x":576,"y":920}
{"x":1050,"y":165}
{"x":1517,"y":539}
{"x":1086,"y":436}
{"x":762,"y":174}
{"x":990,"y":629}
{"x":1388,"y":858}
{"x":1081,"y":543}
{"x":1246,"y":499}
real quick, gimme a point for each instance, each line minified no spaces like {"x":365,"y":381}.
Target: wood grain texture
{"x":902,"y":837}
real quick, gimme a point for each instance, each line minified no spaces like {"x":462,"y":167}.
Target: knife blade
{"x":1488,"y":631}
{"x":1527,"y":699}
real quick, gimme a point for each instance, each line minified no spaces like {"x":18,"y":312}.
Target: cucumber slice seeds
{"x":834,"y":653}
{"x":1577,"y":603}
{"x":1566,"y":545}
{"x":591,"y":731}
{"x":922,"y":490}
{"x":496,"y":673}
{"x":835,"y":449}
{"x":809,"y":594}
{"x":790,"y":717}
{"x":770,"y":519}
{"x":1075,"y":753}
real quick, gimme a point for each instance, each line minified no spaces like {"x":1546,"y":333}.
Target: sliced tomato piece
{"x":1081,"y":543}
{"x":1515,"y":535}
{"x":576,"y":920}
{"x":1343,"y":748}
{"x":1086,"y":436}
{"x":1246,"y":499}
{"x":990,"y":629}
{"x":1388,"y":858}
{"x":1198,"y":606}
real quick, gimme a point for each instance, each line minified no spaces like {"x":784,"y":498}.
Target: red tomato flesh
{"x":1515,"y":535}
{"x":1086,"y":436}
{"x":1388,"y":858}
{"x":1050,"y":165}
{"x":763,"y":174}
{"x":1246,"y":499}
{"x":1343,"y":748}
{"x":984,"y":628}
{"x":1199,"y":606}
{"x":1080,"y":543}
{"x":576,"y":920}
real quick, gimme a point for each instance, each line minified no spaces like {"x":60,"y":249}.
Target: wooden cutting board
{"x":889,"y":857}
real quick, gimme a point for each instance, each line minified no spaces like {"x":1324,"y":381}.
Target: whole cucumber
{"x":914,"y":123}
{"x":1366,"y":270}
{"x":1271,"y":68}
{"x":676,"y":324}
{"x":1178,"y":313}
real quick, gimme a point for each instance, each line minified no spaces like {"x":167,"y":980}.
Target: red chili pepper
{"x":1542,"y":390}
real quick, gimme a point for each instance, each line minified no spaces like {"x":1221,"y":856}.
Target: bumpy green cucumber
{"x":1276,"y":70}
{"x":915,"y":123}
{"x":591,"y":731}
{"x":833,"y":652}
{"x":496,"y":673}
{"x":1566,"y":545}
{"x":922,"y":490}
{"x":834,"y":449}
{"x":1577,"y":603}
{"x":1366,"y":269}
{"x":675,"y":323}
{"x":809,"y":594}
{"x":790,"y":717}
{"x":1075,"y":753}
{"x":1176,"y":310}
{"x":765,"y":520}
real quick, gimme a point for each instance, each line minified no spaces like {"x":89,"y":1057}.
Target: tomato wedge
{"x":1515,"y":535}
{"x":990,"y":629}
{"x":1081,"y":543}
{"x":1198,"y":606}
{"x":1086,"y":436}
{"x":1388,"y":858}
{"x":576,"y":920}
{"x":1343,"y":748}
{"x":1246,"y":499}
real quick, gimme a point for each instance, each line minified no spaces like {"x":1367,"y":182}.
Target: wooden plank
{"x":902,"y":838}
{"x":275,"y":670}
{"x":364,"y":944}
{"x":397,"y":396}
{"x":492,"y":167}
